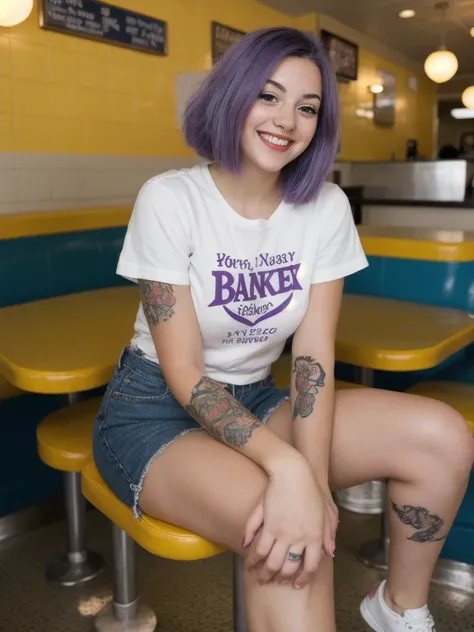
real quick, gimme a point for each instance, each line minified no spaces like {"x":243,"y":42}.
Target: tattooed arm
{"x":175,"y":331}
{"x":312,"y":379}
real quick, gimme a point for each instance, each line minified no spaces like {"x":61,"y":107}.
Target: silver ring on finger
{"x":295,"y":557}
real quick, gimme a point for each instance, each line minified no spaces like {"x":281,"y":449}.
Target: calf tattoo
{"x":426,"y":524}
{"x":309,"y":376}
{"x":221,"y":414}
{"x":158,"y":300}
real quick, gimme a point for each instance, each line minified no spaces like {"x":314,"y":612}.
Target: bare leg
{"x":213,"y":496}
{"x":426,"y":451}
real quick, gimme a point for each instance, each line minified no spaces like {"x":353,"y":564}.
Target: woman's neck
{"x":252,"y":193}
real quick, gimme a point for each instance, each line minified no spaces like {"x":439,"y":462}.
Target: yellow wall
{"x":65,"y":94}
{"x":60,"y":93}
{"x":361,"y":139}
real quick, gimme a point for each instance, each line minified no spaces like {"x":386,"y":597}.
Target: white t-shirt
{"x":249,"y":279}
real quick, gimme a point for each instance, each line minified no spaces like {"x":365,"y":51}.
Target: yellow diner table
{"x":71,"y":343}
{"x":67,"y":344}
{"x":428,"y":244}
{"x":391,"y":335}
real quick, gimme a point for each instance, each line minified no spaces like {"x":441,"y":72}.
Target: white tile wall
{"x":38,"y":182}
{"x":345,"y":172}
{"x":8,"y":186}
{"x":48,"y":182}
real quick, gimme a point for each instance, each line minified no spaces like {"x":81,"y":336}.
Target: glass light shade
{"x":462,"y":113}
{"x":13,"y":12}
{"x":406,"y":14}
{"x":467,"y":98}
{"x":376,"y":88}
{"x":441,"y":66}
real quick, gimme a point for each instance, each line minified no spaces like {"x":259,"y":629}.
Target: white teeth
{"x":274,"y":140}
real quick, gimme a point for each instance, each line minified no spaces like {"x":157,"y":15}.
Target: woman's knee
{"x":444,"y":431}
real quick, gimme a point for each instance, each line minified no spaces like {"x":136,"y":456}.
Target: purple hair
{"x":216,"y":113}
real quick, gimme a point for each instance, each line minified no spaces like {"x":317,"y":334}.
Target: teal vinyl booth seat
{"x":33,"y":268}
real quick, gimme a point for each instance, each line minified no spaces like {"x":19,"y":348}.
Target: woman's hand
{"x":330,"y":524}
{"x":291,"y":518}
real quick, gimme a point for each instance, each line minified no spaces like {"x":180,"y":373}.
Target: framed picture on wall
{"x":222,"y":38}
{"x":343,"y":54}
{"x":384,"y":102}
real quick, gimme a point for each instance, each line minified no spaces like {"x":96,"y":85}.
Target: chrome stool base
{"x":75,"y":568}
{"x":374,"y":555}
{"x":455,"y":575}
{"x":113,"y":618}
{"x":125,"y":613}
{"x":447,"y":573}
{"x":79,"y":565}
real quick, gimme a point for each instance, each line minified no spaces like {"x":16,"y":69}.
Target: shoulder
{"x":331,"y":197}
{"x":331,"y":207}
{"x":176,"y":184}
{"x":167,"y":202}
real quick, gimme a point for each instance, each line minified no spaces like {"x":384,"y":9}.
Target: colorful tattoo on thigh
{"x":426,"y":524}
{"x":309,"y":377}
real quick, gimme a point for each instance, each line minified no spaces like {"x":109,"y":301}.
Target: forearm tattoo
{"x":158,"y":300}
{"x":221,"y":414}
{"x":309,"y":377}
{"x":426,"y":524}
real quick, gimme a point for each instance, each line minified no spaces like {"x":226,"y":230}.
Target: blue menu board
{"x":104,"y":22}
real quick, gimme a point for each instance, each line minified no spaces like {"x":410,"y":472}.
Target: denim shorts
{"x":139,"y":418}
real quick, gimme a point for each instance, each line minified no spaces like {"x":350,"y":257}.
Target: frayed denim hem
{"x":136,"y":489}
{"x":270,"y":412}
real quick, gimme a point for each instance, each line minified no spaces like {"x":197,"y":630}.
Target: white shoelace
{"x":427,"y":625}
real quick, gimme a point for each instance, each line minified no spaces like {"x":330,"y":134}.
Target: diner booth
{"x":92,"y":96}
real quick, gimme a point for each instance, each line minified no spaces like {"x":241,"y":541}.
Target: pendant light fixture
{"x":442,"y":64}
{"x":13,"y":12}
{"x":467,"y":98}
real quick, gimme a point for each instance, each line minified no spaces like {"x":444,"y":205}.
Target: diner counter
{"x":418,"y":213}
{"x":467,"y":203}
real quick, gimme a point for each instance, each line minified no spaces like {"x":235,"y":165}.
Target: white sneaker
{"x":381,"y":618}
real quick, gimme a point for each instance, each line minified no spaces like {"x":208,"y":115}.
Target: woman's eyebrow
{"x":283,"y":89}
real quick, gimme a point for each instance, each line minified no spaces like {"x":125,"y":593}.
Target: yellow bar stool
{"x":125,"y":613}
{"x":64,"y":440}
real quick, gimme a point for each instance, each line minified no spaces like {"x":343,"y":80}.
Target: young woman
{"x":232,"y":257}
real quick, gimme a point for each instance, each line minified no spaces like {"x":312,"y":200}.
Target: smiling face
{"x":283,"y":120}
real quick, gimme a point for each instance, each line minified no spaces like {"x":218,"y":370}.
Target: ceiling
{"x":415,"y":38}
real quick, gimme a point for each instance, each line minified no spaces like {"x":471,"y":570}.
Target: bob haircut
{"x":215,"y":115}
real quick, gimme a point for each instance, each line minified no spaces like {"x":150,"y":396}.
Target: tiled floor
{"x":186,"y":596}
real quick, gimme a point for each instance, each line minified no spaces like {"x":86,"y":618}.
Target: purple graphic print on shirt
{"x":241,"y":288}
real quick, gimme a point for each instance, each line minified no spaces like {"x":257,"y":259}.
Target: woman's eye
{"x":265,"y":96}
{"x":308,"y":109}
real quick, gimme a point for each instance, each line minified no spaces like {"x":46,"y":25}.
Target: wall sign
{"x":384,"y":103}
{"x":343,"y":54}
{"x":104,"y":22}
{"x":222,"y":38}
